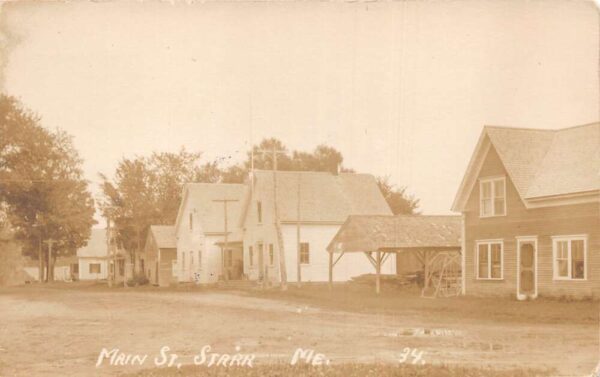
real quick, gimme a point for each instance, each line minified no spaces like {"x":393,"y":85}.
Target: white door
{"x":526,"y":268}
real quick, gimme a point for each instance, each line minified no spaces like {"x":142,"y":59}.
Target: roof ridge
{"x":541,"y":129}
{"x":213,"y":184}
{"x":521,"y":128}
{"x":580,"y":126}
{"x":316,"y":172}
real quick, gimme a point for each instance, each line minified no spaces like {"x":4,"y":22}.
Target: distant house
{"x":530,"y":201}
{"x":93,"y":257}
{"x":311,"y":208}
{"x":200,"y":225}
{"x":160,"y":255}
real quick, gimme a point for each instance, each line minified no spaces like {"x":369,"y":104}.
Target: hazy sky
{"x":401,"y":89}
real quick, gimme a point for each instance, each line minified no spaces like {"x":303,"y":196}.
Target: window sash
{"x":492,"y":197}
{"x":304,"y":253}
{"x":259,"y":212}
{"x":490,"y":260}
{"x":570,"y":262}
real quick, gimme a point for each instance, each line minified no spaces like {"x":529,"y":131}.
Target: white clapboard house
{"x":200,"y":226}
{"x":306,"y":209}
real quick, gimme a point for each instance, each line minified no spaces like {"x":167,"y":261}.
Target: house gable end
{"x":492,"y":167}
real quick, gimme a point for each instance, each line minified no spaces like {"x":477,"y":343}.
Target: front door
{"x":527,"y":284}
{"x":261,"y":262}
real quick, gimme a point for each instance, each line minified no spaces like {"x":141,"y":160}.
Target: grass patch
{"x":341,"y":370}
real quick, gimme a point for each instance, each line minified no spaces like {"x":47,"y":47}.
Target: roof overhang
{"x":470,"y":178}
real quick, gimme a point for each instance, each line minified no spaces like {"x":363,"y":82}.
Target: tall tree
{"x":147,"y":191}
{"x":400,"y":202}
{"x":42,"y":188}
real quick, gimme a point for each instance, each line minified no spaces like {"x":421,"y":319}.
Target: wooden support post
{"x":40,"y":260}
{"x":426,"y":269}
{"x":330,"y":270}
{"x":378,"y":273}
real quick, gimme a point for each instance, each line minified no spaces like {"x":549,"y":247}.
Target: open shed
{"x":428,"y":237}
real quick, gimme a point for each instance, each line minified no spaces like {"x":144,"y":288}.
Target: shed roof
{"x":164,"y":236}
{"x":324,"y":197}
{"x":371,"y":233}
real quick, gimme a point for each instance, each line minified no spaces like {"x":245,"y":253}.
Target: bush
{"x":139,"y":279}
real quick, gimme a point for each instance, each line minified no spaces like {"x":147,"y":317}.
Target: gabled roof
{"x":164,"y":236}
{"x":201,"y":198}
{"x":540,"y":163}
{"x":371,"y":233}
{"x":96,"y":246}
{"x":324,"y":197}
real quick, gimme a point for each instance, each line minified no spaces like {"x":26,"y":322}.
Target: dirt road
{"x":61,"y":332}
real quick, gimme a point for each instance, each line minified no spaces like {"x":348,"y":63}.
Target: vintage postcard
{"x":300,"y":188}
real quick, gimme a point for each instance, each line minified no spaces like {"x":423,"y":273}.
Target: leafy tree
{"x":399,"y":201}
{"x":42,"y":189}
{"x":147,"y":191}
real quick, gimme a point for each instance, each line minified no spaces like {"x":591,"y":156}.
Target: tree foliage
{"x":147,"y":191}
{"x":42,"y":189}
{"x":397,"y":198}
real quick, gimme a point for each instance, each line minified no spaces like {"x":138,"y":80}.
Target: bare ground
{"x":60,"y":330}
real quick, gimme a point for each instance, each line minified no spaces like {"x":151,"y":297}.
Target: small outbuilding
{"x":160,"y":254}
{"x":435,"y":241}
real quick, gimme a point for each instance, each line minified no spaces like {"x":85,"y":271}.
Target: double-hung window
{"x":492,"y":197}
{"x":304,"y":253}
{"x":489,"y":260}
{"x":271,"y":255}
{"x":569,"y":257}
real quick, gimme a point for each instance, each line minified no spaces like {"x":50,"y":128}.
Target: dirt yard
{"x":60,"y":330}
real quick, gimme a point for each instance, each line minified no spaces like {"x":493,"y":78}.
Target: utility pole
{"x":111,"y":255}
{"x":298,"y":244}
{"x":110,"y":250}
{"x":282,"y":270}
{"x":226,"y":232}
{"x":50,"y":275}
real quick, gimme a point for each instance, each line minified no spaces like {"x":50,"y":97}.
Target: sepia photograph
{"x":300,"y":188}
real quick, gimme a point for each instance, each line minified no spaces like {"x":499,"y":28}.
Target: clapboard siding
{"x":543,"y":223}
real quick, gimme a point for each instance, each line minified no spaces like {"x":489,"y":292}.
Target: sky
{"x":400,"y":88}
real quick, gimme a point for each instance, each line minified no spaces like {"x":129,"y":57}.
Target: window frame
{"x":489,"y":244}
{"x":251,"y":256}
{"x":271,"y":255}
{"x":569,"y":239}
{"x":259,"y":212}
{"x":93,"y":264}
{"x":307,"y":251}
{"x":491,"y":181}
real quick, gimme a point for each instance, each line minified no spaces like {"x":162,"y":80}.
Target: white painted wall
{"x":84,"y":269}
{"x":198,"y":257}
{"x":210,"y":269}
{"x":189,"y":242}
{"x":318,"y":237}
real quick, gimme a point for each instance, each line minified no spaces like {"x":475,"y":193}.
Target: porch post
{"x":378,"y":273}
{"x":330,"y":270}
{"x":426,"y":269}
